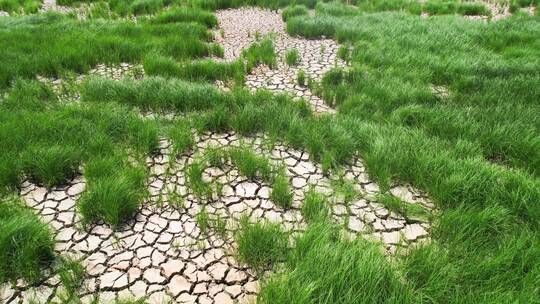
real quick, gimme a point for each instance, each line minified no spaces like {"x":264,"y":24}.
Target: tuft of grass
{"x":26,"y":244}
{"x":194,"y":176}
{"x":261,"y":245}
{"x":114,"y":192}
{"x":315,"y":207}
{"x":281,"y":193}
{"x":260,"y":52}
{"x":51,"y":166}
{"x":292,"y":57}
{"x":250,"y":164}
{"x":71,"y":275}
{"x":301,"y":78}
{"x":412,"y":212}
{"x":181,"y":136}
{"x":293,"y":11}
{"x":185,"y":14}
{"x":203,"y":220}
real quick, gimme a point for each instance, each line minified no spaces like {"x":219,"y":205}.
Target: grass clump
{"x":292,"y":57}
{"x":293,"y":11}
{"x":181,"y":136}
{"x":71,"y":274}
{"x":281,"y":193}
{"x":331,"y":269}
{"x":315,"y":207}
{"x":301,"y":78}
{"x":51,"y":166}
{"x":261,"y":245}
{"x":185,"y":14}
{"x":26,"y":244}
{"x":250,"y":164}
{"x":194,"y":174}
{"x":114,"y":192}
{"x":260,"y":52}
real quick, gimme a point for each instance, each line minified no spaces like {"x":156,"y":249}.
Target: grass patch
{"x":293,"y":11}
{"x":315,"y":207}
{"x":292,"y":57}
{"x":181,"y":136}
{"x":50,"y":166}
{"x":114,"y":192}
{"x":326,"y":267}
{"x":260,"y":52}
{"x":281,"y":193}
{"x":200,"y":70}
{"x":261,"y":245}
{"x":59,"y":43}
{"x":26,"y":244}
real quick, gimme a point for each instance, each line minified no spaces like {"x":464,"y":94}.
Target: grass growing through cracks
{"x":292,"y":57}
{"x":261,"y":244}
{"x":26,"y":244}
{"x":326,"y":267}
{"x":114,"y":193}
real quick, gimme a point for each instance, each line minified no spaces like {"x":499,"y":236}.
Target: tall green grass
{"x":261,"y":244}
{"x":58,"y":43}
{"x":323,"y":267}
{"x":26,"y":244}
{"x":20,"y":6}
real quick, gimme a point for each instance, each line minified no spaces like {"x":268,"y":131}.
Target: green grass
{"x":293,"y":11}
{"x":200,"y":70}
{"x":152,"y":93}
{"x":281,"y":194}
{"x":65,"y":44}
{"x":250,"y":164}
{"x":181,"y":136}
{"x":315,"y":207}
{"x":20,"y":6}
{"x":52,"y":165}
{"x":261,"y":244}
{"x":198,"y":186}
{"x":26,"y":244}
{"x":323,"y":267}
{"x":183,"y":14}
{"x":47,"y":141}
{"x":292,"y":57}
{"x":473,"y":151}
{"x":71,"y":274}
{"x":260,"y":52}
{"x":412,"y":212}
{"x":301,"y":78}
{"x":114,"y":191}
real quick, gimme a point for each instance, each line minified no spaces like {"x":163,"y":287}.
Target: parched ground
{"x":240,"y":29}
{"x":162,"y":254}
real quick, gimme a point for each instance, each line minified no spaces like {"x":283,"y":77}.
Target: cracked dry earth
{"x":240,"y":29}
{"x":162,"y":253}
